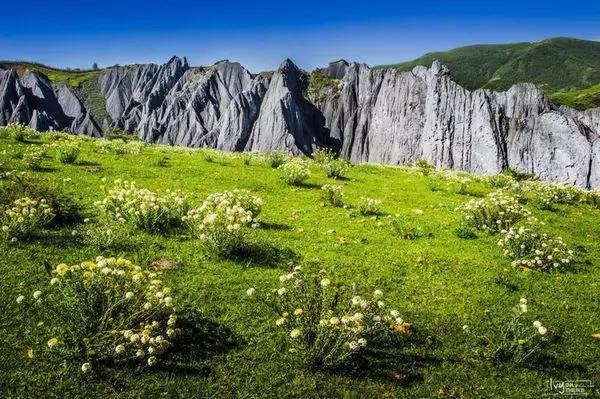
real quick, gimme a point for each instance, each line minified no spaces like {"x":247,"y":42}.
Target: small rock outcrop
{"x":374,"y":115}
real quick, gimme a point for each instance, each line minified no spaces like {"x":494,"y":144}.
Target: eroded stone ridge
{"x":374,"y":115}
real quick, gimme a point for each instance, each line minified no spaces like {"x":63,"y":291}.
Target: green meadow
{"x":438,"y":279}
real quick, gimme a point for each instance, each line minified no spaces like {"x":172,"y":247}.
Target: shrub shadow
{"x":200,"y":340}
{"x":264,"y":255}
{"x":87,"y":163}
{"x":399,"y":361}
{"x":274,"y":226}
{"x":308,"y":185}
{"x":551,"y":365}
{"x":44,"y":169}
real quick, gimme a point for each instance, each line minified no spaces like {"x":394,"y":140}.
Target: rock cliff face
{"x":391,"y":117}
{"x":32,"y":100}
{"x":374,"y":115}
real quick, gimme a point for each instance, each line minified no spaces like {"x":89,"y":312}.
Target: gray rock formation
{"x":31,"y":99}
{"x":392,"y":117}
{"x":374,"y":115}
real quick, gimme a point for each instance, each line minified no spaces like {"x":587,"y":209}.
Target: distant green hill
{"x":562,"y":65}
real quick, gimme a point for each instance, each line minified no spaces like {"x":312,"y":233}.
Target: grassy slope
{"x":558,"y":64}
{"x":71,"y":77}
{"x":579,"y":99}
{"x":439,"y":283}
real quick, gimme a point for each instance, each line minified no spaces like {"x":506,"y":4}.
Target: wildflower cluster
{"x":335,"y":168}
{"x":459,"y":182}
{"x":498,"y":211}
{"x":406,"y":228}
{"x":530,"y":249}
{"x":143,"y":208}
{"x":24,"y":217}
{"x":17,"y":131}
{"x":369,"y":206}
{"x":501,"y":180}
{"x":425,"y":167}
{"x":104,"y":311}
{"x":294,"y":172}
{"x":67,"y":151}
{"x":221,"y":221}
{"x":333,"y":194}
{"x":510,"y":340}
{"x":119,"y":146}
{"x":592,"y":197}
{"x":323,"y":155}
{"x":276,"y":158}
{"x":547,"y":195}
{"x":212,"y":155}
{"x":323,"y":330}
{"x":33,"y":157}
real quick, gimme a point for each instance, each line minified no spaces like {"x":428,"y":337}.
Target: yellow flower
{"x":30,"y":353}
{"x":62,"y":269}
{"x":90,"y":264}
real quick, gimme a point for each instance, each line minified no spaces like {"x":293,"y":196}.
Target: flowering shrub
{"x":592,"y":197}
{"x":222,"y":219}
{"x":323,"y":155}
{"x":17,"y":131}
{"x":25,"y":217}
{"x":15,"y":186}
{"x":294,"y":172}
{"x":107,"y":311}
{"x":322,"y":329}
{"x":119,"y":146}
{"x":275,"y":158}
{"x":143,"y":208}
{"x":33,"y":157}
{"x":498,"y":211}
{"x":501,"y":180}
{"x":247,"y":157}
{"x":369,"y":206}
{"x":547,"y":195}
{"x":459,"y":183}
{"x":406,"y":228}
{"x":531,"y":249}
{"x":333,"y":194}
{"x":425,"y":167}
{"x":335,"y":168}
{"x":514,"y":340}
{"x":212,"y":155}
{"x":66,"y":151}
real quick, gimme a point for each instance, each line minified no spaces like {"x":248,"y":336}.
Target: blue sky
{"x":261,"y":34}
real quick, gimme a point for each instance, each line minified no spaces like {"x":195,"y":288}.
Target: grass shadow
{"x":264,"y":255}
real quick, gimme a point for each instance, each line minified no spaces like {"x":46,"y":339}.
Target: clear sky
{"x":261,"y":34}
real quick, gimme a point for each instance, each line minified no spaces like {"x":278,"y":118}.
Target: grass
{"x":579,"y":99}
{"x":439,"y":282}
{"x":555,"y":65}
{"x":72,"y":77}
